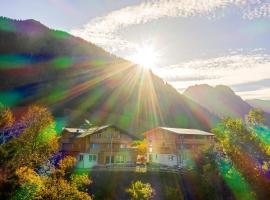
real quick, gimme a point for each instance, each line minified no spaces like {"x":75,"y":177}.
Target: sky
{"x":193,"y":41}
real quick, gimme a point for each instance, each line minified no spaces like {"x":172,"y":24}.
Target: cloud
{"x":231,"y":70}
{"x":251,"y":86}
{"x":102,"y":30}
{"x":260,"y":10}
{"x":256,"y":94}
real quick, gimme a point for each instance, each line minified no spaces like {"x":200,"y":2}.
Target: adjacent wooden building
{"x":99,"y":146}
{"x":173,"y":146}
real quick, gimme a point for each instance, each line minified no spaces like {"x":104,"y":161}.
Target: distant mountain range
{"x":78,"y":80}
{"x":220,"y":100}
{"x":223,"y":102}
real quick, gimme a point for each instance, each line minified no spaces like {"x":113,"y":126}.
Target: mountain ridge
{"x":223,"y":102}
{"x":259,"y":103}
{"x":78,"y":80}
{"x":220,"y":100}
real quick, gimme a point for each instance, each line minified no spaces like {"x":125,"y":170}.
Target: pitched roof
{"x":183,"y":131}
{"x":75,"y":130}
{"x":92,"y":130}
{"x":85,"y":132}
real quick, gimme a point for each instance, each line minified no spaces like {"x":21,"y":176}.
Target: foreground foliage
{"x":6,"y":116}
{"x":24,"y":153}
{"x":55,"y":186}
{"x":140,"y":191}
{"x":244,"y":156}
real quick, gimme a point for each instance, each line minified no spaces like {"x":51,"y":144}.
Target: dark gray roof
{"x":183,"y":131}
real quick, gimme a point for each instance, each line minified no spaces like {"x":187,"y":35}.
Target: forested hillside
{"x":79,"y":80}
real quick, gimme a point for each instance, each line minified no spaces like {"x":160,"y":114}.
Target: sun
{"x":145,"y":56}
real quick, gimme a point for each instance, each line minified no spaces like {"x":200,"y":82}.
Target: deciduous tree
{"x":140,"y":191}
{"x":255,"y":117}
{"x":6,"y":116}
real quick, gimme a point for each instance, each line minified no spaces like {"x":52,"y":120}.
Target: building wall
{"x":162,"y":143}
{"x":164,"y":159}
{"x":86,"y":160}
{"x":108,"y":143}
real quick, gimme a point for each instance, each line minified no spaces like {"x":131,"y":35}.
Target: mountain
{"x":220,"y":100}
{"x":78,"y":80}
{"x":261,"y":104}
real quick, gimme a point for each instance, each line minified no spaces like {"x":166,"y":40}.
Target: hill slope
{"x":261,"y":104}
{"x":79,"y":80}
{"x":220,"y":100}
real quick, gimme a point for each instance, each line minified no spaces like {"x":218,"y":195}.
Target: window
{"x":181,"y":146}
{"x":94,"y":146}
{"x":81,"y":158}
{"x":170,"y":158}
{"x":150,"y":157}
{"x":200,"y":137}
{"x":117,"y":159}
{"x":123,"y":146}
{"x":92,"y":158}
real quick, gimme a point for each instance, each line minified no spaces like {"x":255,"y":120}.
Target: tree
{"x":140,"y":191}
{"x":255,"y":117}
{"x":6,"y":117}
{"x":58,"y":186}
{"x":22,"y":156}
{"x":141,"y":145}
{"x":248,"y":154}
{"x":37,"y":142}
{"x":31,"y":148}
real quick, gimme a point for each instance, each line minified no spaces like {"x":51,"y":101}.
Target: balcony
{"x":107,"y":140}
{"x":194,"y":141}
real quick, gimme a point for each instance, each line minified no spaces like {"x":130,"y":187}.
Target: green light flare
{"x":10,"y":98}
{"x":62,"y":62}
{"x":11,"y":61}
{"x":5,"y":25}
{"x":235,"y":181}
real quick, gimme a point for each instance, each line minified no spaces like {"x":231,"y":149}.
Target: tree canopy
{"x":24,"y":153}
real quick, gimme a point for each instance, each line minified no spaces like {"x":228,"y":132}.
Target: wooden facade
{"x":171,"y":146}
{"x":99,"y":146}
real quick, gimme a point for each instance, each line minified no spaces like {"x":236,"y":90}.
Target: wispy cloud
{"x":230,"y":70}
{"x":256,"y":94}
{"x":101,"y":30}
{"x":260,"y":10}
{"x":233,"y":69}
